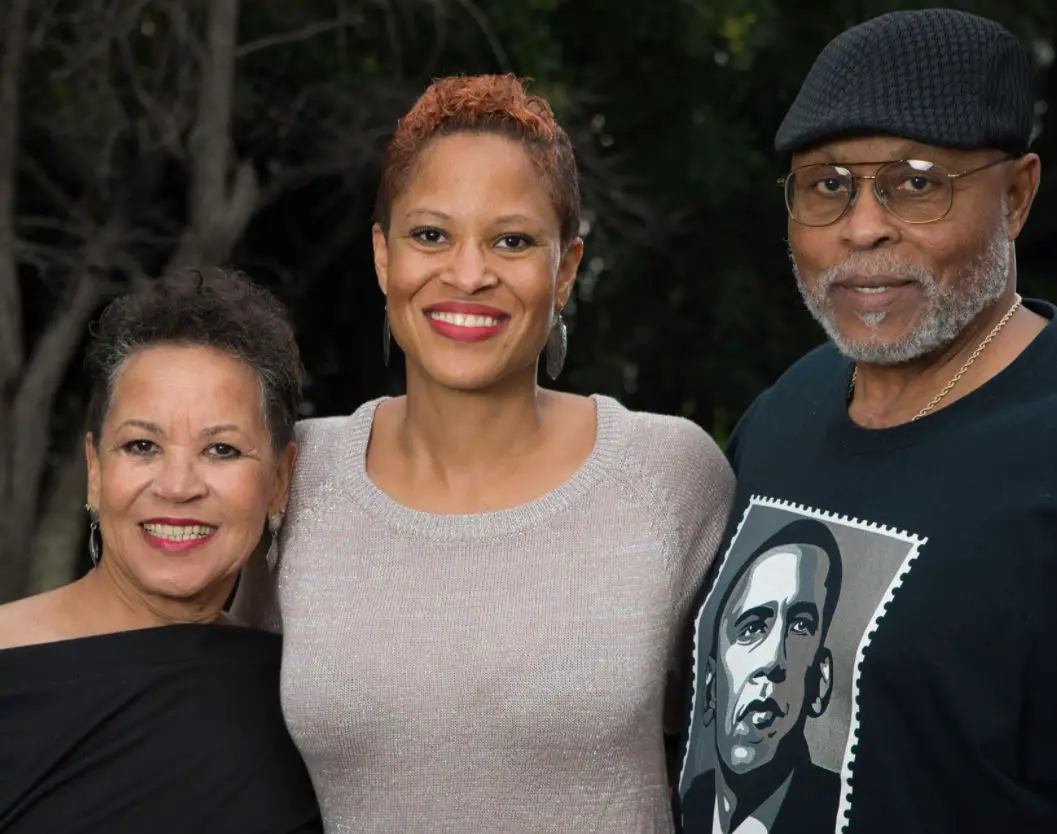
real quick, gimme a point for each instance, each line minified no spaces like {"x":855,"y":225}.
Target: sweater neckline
{"x":610,"y":441}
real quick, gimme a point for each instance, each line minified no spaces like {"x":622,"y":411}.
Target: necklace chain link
{"x":961,"y":371}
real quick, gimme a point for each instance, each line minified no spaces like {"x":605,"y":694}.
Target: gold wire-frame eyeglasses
{"x":909,"y":209}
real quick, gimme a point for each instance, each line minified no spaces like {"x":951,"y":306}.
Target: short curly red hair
{"x":497,"y":104}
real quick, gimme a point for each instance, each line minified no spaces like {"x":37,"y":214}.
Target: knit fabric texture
{"x":938,"y":76}
{"x":497,"y":672}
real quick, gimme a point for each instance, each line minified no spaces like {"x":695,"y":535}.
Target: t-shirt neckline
{"x":852,"y":437}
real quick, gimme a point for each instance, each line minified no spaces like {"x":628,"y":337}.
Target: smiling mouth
{"x":467,"y":326}
{"x":465,"y":319}
{"x":874,"y":286}
{"x":179,"y":533}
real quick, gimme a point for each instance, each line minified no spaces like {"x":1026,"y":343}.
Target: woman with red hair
{"x":484,"y":586}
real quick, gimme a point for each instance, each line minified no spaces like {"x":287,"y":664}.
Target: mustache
{"x":760,"y":705}
{"x":868,"y":266}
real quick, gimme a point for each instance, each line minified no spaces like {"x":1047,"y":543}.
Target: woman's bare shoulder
{"x":31,"y":621}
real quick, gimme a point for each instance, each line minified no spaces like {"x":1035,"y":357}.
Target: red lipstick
{"x":465,"y":322}
{"x":159,"y":539}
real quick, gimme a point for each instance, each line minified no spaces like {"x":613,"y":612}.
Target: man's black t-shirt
{"x":877,"y":653}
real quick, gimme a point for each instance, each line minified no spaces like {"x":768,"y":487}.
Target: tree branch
{"x":303,"y":34}
{"x":212,"y":242}
{"x":486,"y":28}
{"x":52,"y":189}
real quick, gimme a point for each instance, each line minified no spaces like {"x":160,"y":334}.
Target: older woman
{"x":484,"y":585}
{"x":128,"y":702}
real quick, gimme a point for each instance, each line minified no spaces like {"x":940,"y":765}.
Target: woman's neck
{"x":456,"y":435}
{"x":107,"y":601}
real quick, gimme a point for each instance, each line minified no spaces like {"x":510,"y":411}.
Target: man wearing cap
{"x":929,"y":419}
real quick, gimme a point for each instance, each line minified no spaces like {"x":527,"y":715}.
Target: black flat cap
{"x":937,"y":76}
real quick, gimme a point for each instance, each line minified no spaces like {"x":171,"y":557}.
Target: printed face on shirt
{"x":770,"y":669}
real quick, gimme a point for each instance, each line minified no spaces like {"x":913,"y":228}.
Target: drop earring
{"x":275,"y":525}
{"x":95,"y":538}
{"x":557,"y":345}
{"x":387,"y":338}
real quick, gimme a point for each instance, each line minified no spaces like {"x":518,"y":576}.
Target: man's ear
{"x":819,"y":700}
{"x":1021,"y":188}
{"x":708,"y":691}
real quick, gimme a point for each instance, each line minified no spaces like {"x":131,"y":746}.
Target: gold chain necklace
{"x":961,"y":371}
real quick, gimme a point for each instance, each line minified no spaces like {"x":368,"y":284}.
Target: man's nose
{"x":771,"y":656}
{"x":867,"y":224}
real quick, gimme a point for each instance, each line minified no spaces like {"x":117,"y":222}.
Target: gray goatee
{"x":946,"y":312}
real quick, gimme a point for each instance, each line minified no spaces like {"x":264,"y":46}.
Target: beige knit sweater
{"x":500,"y":672}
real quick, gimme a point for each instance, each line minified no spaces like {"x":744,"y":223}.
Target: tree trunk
{"x":61,"y":530}
{"x":224,"y":195}
{"x":30,"y":427}
{"x":11,"y":338}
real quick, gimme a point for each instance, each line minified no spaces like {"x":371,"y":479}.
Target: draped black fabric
{"x":173,"y":729}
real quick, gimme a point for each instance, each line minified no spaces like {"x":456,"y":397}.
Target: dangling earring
{"x":557,"y":345}
{"x":275,"y":524}
{"x":95,"y":538}
{"x":386,"y":338}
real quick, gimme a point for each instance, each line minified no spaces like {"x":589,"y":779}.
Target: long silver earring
{"x":275,"y":525}
{"x":387,"y":338}
{"x":557,"y":345}
{"x":95,"y":538}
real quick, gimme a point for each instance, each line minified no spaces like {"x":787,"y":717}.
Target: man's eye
{"x":917,"y":185}
{"x":830,"y":185}
{"x":804,"y":626}
{"x":751,"y":630}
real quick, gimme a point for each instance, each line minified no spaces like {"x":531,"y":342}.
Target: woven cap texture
{"x":937,"y":76}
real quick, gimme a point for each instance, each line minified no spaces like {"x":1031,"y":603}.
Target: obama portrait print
{"x":777,"y":644}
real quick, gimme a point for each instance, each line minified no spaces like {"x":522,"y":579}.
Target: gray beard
{"x":947,"y":310}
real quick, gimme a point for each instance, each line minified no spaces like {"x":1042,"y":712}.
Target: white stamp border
{"x":915,"y":542}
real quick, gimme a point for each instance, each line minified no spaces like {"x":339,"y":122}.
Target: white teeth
{"x":179,"y":533}
{"x":463,"y":320}
{"x":871,"y":290}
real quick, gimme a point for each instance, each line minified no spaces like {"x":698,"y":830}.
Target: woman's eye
{"x":515,"y":243}
{"x":139,"y":447}
{"x":224,"y":450}
{"x":428,"y":235}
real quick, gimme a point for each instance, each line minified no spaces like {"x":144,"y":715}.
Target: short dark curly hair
{"x":212,"y":308}
{"x":498,"y":104}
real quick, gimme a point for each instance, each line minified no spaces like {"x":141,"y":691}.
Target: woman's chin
{"x":471,"y":377}
{"x":188,"y":583}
